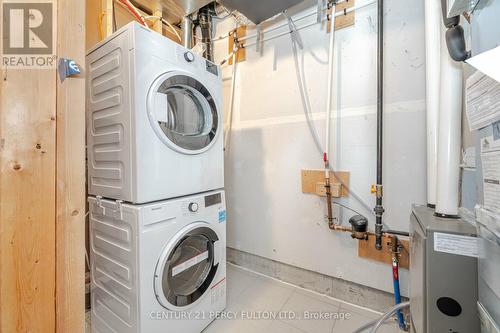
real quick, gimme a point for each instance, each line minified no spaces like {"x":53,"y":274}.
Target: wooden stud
{"x":241,"y":53}
{"x":343,"y":21}
{"x":366,"y":249}
{"x":158,"y":12}
{"x":70,"y":184}
{"x":311,"y":179}
{"x":106,"y":17}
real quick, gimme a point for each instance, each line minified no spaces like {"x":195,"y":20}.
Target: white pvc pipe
{"x":432,"y":63}
{"x":329,"y":93}
{"x":449,"y":134}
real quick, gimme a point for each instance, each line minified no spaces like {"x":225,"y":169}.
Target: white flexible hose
{"x":379,"y":322}
{"x":229,"y":123}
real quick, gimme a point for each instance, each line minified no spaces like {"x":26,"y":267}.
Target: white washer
{"x":158,"y":267}
{"x":154,"y":119}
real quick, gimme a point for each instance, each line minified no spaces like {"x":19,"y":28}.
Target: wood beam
{"x":158,"y":12}
{"x":70,"y":167}
{"x":106,"y":18}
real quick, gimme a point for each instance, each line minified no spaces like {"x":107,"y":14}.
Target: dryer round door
{"x":187,"y":267}
{"x":183,"y":113}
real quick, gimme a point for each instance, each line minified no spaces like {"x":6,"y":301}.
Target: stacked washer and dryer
{"x":155,"y":174}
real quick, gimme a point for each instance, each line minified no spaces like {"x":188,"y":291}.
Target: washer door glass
{"x":184,"y":112}
{"x":188,"y":270}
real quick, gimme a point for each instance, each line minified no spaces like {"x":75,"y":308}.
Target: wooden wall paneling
{"x":70,"y":166}
{"x":27,"y":200}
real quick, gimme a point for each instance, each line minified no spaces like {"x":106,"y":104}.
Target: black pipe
{"x":379,"y":208}
{"x":397,"y":233}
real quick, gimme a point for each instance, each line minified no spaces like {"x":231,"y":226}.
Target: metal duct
{"x":181,"y":8}
{"x":187,"y":32}
{"x":258,"y":11}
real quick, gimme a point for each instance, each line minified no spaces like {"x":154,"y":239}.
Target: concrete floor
{"x":250,"y":295}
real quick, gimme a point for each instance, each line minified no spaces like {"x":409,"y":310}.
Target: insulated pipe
{"x":378,"y":322}
{"x":379,"y":208}
{"x":432,"y":63}
{"x":326,"y":156}
{"x":450,"y":117}
{"x":187,"y":32}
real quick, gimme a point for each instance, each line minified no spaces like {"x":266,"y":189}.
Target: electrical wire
{"x":134,"y":11}
{"x":346,"y":207}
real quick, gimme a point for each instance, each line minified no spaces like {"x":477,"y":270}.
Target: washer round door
{"x":187,"y":267}
{"x":183,"y":113}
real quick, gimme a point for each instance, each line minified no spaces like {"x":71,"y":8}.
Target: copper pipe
{"x":329,"y":201}
{"x":337,"y":227}
{"x":394,"y":239}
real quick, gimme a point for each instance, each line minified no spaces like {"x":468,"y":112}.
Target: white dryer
{"x":158,"y":267}
{"x":154,"y":117}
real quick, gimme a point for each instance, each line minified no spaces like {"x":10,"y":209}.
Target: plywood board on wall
{"x":366,"y":249}
{"x":241,"y":54}
{"x":346,"y":19}
{"x":311,"y":179}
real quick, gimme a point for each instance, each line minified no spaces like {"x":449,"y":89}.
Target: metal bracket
{"x":293,"y":30}
{"x":120,"y":208}
{"x":320,"y":8}
{"x":99,"y":203}
{"x":67,"y":68}
{"x":258,"y":42}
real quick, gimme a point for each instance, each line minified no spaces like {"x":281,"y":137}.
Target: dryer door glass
{"x":185,"y":112}
{"x":189,"y":268}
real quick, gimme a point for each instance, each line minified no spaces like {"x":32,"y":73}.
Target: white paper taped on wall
{"x":490,"y":158}
{"x":482,"y":101}
{"x":456,"y":244}
{"x":189,"y":263}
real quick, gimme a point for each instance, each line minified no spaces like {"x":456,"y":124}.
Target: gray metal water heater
{"x":443,"y":274}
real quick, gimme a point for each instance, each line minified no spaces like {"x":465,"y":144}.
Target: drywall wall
{"x":270,"y":142}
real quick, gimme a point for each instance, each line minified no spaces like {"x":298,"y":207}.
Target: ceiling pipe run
{"x":432,"y":69}
{"x":449,"y":135}
{"x":187,"y":32}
